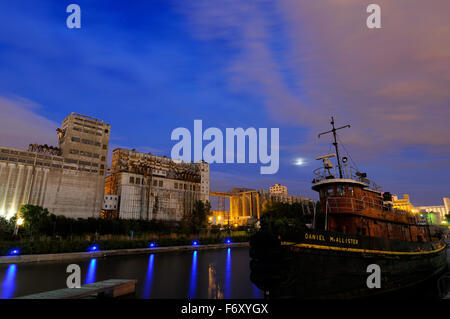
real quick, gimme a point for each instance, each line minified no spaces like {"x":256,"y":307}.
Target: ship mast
{"x":335,"y":142}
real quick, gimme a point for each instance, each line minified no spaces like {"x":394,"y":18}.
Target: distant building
{"x":403,"y":204}
{"x":67,"y":180}
{"x":439,"y":210}
{"x":447,"y":205}
{"x":246,"y":205}
{"x":155,"y":187}
{"x":435,"y":214}
{"x":278,"y":189}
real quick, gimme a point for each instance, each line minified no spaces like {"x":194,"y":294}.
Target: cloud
{"x":20,"y":125}
{"x":390,"y":84}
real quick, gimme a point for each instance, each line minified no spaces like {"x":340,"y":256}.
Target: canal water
{"x":216,"y":274}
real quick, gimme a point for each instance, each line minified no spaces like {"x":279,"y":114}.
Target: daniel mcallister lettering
{"x":335,"y":239}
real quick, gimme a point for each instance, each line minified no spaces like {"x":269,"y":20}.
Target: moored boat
{"x":355,"y":233}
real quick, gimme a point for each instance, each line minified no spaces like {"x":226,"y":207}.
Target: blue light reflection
{"x":193,"y":281}
{"x":149,"y":277}
{"x":9,"y":282}
{"x":91,"y":273}
{"x":228,"y":275}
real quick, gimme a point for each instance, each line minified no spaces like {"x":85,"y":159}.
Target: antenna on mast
{"x":335,"y":142}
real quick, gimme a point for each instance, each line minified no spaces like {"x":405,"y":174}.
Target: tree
{"x":35,"y":217}
{"x":196,"y":219}
{"x":282,"y":218}
{"x":6,"y":227}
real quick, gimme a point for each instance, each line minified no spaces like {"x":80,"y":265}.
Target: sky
{"x":148,"y":67}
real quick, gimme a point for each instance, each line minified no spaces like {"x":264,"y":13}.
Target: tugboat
{"x":355,"y":236}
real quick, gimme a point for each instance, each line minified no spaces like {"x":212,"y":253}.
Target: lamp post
{"x":19,"y":222}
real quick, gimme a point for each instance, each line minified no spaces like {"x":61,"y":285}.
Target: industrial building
{"x":438,"y":211}
{"x":154,"y":187}
{"x":245,"y":205}
{"x":67,"y":180}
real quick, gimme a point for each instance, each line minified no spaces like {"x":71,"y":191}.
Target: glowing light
{"x":151,"y":245}
{"x":93,"y":248}
{"x":20,"y":221}
{"x":235,"y":225}
{"x":11,"y":213}
{"x":299,"y":161}
{"x":228,"y":241}
{"x":219,"y":218}
{"x":195,"y":243}
{"x":210,"y":218}
{"x":14,"y":252}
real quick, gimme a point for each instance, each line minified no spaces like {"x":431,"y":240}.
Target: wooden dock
{"x":111,"y":288}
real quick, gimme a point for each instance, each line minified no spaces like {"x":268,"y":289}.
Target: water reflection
{"x":9,"y":282}
{"x":165,"y":275}
{"x":148,"y":277}
{"x":214,"y":287}
{"x":228,"y":275}
{"x":193,"y":280}
{"x":257,"y":293}
{"x":91,"y":273}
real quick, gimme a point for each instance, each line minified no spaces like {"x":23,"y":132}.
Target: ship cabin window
{"x":350,"y":191}
{"x":330,"y":191}
{"x":340,"y":190}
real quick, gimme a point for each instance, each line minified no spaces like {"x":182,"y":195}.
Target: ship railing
{"x":348,"y":172}
{"x":354,"y":204}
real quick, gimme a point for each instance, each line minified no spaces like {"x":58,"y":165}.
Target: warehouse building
{"x":155,"y":187}
{"x":67,"y":180}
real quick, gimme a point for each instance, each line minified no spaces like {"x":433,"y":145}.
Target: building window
{"x":176,"y":185}
{"x":131,"y":180}
{"x":138,"y":180}
{"x":104,"y":146}
{"x":185,"y":186}
{"x":160,"y":183}
{"x":155,"y":183}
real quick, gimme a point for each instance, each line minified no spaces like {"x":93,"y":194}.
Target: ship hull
{"x":305,"y":270}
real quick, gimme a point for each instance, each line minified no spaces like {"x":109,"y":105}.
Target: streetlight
{"x":19,"y":222}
